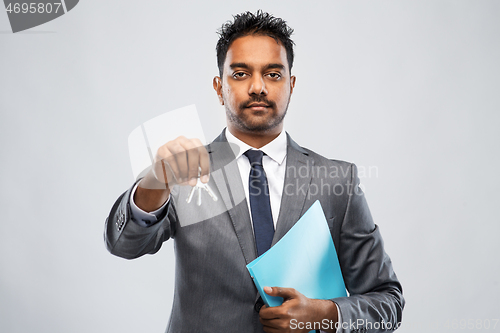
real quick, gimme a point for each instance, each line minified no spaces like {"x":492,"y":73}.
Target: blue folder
{"x":304,"y":259}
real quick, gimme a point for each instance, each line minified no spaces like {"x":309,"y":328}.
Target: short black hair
{"x":260,"y":23}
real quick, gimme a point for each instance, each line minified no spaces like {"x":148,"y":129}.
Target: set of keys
{"x":197,"y":188}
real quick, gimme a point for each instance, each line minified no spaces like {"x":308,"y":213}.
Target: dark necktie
{"x":262,"y":217}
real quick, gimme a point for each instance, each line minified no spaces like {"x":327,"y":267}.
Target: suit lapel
{"x":298,"y":176}
{"x":226,"y":175}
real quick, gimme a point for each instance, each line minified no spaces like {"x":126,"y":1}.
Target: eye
{"x":274,"y":76}
{"x":239,"y":75}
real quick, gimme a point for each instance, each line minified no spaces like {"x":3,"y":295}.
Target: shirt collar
{"x":275,"y":149}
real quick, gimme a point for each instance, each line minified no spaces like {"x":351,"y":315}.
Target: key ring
{"x":197,"y":188}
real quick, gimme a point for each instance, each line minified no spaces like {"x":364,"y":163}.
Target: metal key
{"x":197,"y":188}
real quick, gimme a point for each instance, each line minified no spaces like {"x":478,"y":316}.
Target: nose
{"x":257,"y":86}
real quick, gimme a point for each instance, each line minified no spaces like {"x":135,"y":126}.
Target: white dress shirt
{"x":274,"y":163}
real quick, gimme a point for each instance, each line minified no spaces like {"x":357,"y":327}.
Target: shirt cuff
{"x":339,"y":322}
{"x":141,"y":217}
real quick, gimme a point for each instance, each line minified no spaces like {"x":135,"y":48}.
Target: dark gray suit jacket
{"x":213,"y":243}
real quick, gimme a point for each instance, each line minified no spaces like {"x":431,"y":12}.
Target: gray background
{"x":409,"y":88}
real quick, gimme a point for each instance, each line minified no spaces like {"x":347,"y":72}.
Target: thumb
{"x":286,"y":293}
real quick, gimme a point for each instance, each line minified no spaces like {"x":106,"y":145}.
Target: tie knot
{"x":254,"y":156}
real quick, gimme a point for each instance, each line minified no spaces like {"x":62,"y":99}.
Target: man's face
{"x":256,"y":85}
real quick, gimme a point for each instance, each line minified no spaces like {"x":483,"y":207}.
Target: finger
{"x":267,"y":313}
{"x":204,"y":164}
{"x":166,"y":165}
{"x":192,"y":160}
{"x":168,"y":173}
{"x":180,"y":167}
{"x":160,"y":170}
{"x":270,"y":329}
{"x":274,"y":325}
{"x":172,"y":169}
{"x":285,"y":293}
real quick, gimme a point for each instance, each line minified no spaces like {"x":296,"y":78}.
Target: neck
{"x":256,"y":139}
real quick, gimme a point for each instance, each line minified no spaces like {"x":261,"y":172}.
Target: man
{"x":252,"y":166}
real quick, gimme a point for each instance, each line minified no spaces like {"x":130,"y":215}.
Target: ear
{"x":292,"y":83}
{"x":218,"y":88}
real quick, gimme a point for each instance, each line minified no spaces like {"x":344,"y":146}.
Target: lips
{"x":258,"y":106}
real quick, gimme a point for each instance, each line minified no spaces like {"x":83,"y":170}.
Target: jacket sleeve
{"x":376,"y":298}
{"x":127,"y":239}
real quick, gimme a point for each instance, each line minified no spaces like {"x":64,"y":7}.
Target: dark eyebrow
{"x":239,"y":65}
{"x":275,"y":66}
{"x":269,"y":66}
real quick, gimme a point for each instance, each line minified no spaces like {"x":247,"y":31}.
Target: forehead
{"x":256,"y":51}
